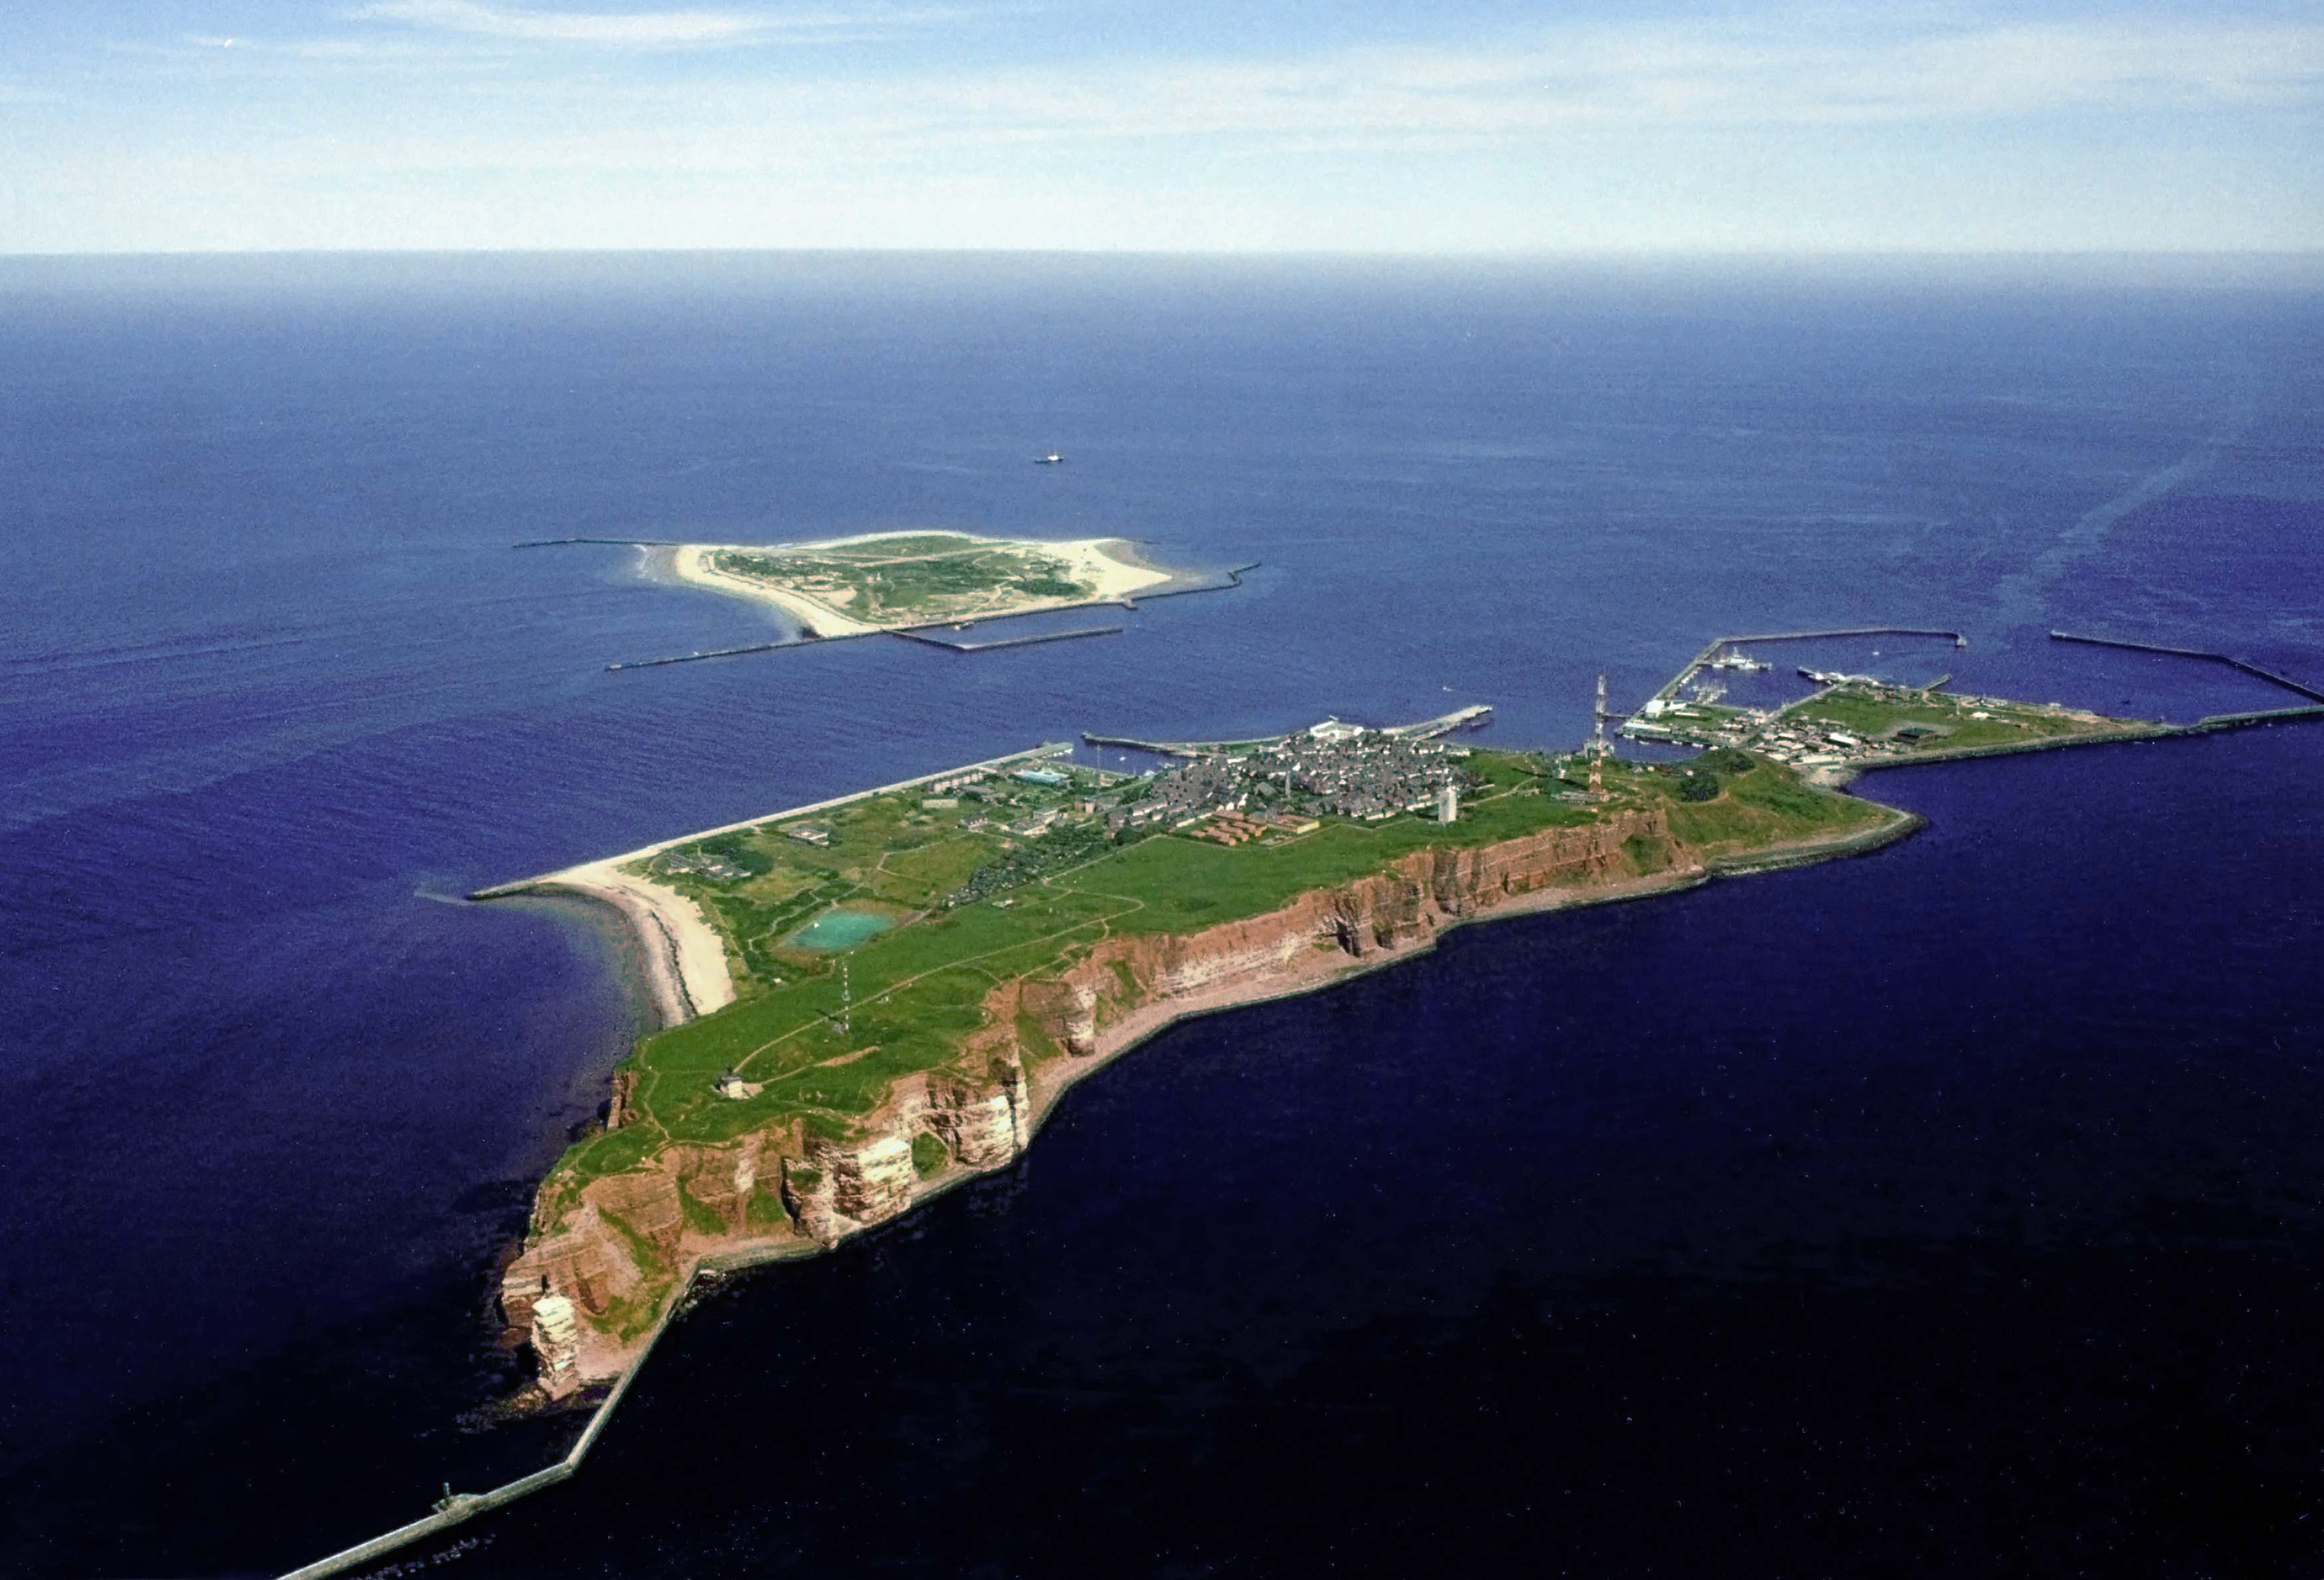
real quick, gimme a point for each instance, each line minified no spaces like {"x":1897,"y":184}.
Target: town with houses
{"x":1055,"y":815}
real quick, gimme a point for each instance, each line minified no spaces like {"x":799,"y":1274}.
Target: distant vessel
{"x":1735,"y":658}
{"x":1054,"y":458}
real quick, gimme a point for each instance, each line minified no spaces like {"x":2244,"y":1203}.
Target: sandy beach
{"x":1110,"y":566}
{"x":690,"y":563}
{"x":686,"y":959}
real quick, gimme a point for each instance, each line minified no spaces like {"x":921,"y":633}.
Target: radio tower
{"x":1597,"y":747}
{"x":847,"y":999}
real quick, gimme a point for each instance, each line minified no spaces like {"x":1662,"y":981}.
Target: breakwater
{"x":603,"y":542}
{"x":2232,"y":662}
{"x":457,"y":1508}
{"x":716,"y":653}
{"x":924,"y":636}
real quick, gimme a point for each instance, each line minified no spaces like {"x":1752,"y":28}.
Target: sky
{"x":1432,"y":127}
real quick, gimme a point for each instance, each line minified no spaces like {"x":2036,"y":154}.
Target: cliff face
{"x":618,"y":1253}
{"x":629,"y":1234}
{"x":1415,"y":898}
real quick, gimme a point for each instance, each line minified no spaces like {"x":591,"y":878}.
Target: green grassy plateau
{"x":919,"y":988}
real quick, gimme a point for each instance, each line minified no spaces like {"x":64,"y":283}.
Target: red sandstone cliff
{"x":618,"y":1247}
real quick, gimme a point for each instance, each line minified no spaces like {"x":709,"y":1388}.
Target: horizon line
{"x":1517,"y":254}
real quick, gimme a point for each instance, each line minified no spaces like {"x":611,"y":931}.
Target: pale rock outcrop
{"x":985,"y":1124}
{"x":871,"y":1180}
{"x":556,"y":1340}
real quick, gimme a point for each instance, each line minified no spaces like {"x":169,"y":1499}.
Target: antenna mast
{"x":1599,"y":746}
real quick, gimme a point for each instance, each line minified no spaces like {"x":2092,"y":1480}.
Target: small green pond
{"x":840,"y":929}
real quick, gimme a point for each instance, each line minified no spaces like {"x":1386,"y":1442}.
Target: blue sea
{"x":1954,"y":1210}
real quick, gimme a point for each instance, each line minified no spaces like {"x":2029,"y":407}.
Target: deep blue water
{"x":1952,"y":1210}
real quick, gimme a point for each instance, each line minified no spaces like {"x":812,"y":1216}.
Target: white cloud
{"x":1534,"y":92}
{"x":1533,"y":95}
{"x":1903,"y":131}
{"x":637,"y":29}
{"x":1713,"y":76}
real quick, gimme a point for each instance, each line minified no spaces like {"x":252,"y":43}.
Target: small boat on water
{"x":1054,"y":458}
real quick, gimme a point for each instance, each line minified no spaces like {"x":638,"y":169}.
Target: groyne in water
{"x":1226,"y":579}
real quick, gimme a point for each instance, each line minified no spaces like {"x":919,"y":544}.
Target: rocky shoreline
{"x":622,"y":1249}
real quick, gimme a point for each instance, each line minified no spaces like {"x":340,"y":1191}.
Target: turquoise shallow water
{"x":838,"y":930}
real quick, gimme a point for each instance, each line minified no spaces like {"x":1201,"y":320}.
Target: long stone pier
{"x":2248,"y":667}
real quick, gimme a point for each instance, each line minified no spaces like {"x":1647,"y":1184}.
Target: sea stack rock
{"x":556,"y":1340}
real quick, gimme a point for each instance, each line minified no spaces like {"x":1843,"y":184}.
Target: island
{"x":875,"y":997}
{"x":869,"y":1000}
{"x":905,"y":581}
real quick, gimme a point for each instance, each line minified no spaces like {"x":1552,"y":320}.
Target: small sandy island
{"x":888,"y":580}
